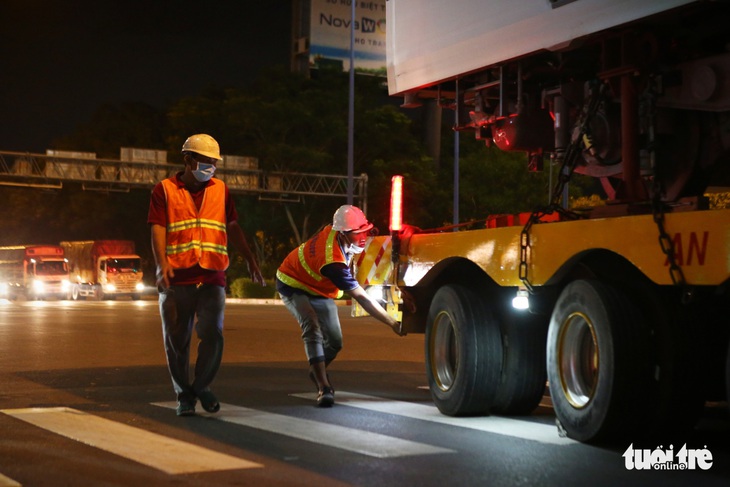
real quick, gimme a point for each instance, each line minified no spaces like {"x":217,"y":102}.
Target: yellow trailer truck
{"x":624,"y":310}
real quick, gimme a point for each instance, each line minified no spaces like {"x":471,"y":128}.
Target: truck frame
{"x":628,"y":322}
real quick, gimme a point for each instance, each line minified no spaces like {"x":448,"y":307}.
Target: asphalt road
{"x":85,"y":399}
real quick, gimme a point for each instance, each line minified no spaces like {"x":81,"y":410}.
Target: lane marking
{"x":491,"y":424}
{"x":160,"y":452}
{"x":8,"y":482}
{"x":342,"y":437}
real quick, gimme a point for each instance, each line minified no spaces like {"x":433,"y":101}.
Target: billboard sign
{"x":330,"y":26}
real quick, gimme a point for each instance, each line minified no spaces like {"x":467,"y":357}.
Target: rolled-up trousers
{"x":320,"y":324}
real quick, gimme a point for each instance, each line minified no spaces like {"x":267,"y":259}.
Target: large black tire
{"x":463,"y":352}
{"x":597,"y":372}
{"x":524,"y":372}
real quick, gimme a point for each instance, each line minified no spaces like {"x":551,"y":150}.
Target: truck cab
{"x":46,"y":276}
{"x":120,"y":274}
{"x":33,"y":272}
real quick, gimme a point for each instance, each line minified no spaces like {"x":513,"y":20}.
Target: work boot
{"x":209,"y":401}
{"x":185,"y":408}
{"x":326,"y":397}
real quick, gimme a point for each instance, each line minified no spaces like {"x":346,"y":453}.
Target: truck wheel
{"x":524,"y":372}
{"x":596,"y":371}
{"x":75,"y":293}
{"x":463,"y":352}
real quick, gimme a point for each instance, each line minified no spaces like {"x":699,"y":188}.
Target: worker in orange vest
{"x":192,"y":218}
{"x":316,"y":273}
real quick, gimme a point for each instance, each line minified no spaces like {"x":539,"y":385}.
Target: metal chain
{"x":666,"y":243}
{"x":574,"y":149}
{"x":570,"y":161}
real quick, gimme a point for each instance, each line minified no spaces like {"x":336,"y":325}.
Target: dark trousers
{"x":181,"y":309}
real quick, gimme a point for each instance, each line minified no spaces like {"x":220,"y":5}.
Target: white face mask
{"x":354,"y":249}
{"x":204,"y":172}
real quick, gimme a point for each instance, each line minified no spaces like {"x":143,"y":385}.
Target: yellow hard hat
{"x":350,"y":218}
{"x":204,"y":145}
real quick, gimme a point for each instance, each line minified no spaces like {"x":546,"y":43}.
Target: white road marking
{"x":8,"y":482}
{"x":342,"y":437}
{"x":491,"y":424}
{"x":166,"y":454}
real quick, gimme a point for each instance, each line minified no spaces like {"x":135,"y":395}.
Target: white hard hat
{"x":350,"y":218}
{"x":204,"y":145}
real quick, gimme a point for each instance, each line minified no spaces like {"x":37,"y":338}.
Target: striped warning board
{"x":374,"y":264}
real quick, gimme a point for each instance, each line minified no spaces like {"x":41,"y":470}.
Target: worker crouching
{"x":316,"y":273}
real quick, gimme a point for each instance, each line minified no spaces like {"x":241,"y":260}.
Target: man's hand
{"x":255,"y":272}
{"x":397,"y":328}
{"x":165,"y":272}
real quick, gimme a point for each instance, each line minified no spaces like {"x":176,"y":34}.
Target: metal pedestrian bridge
{"x":52,"y":171}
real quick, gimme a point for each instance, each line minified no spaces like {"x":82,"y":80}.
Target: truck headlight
{"x":65,"y":285}
{"x":4,"y":288}
{"x":39,"y":286}
{"x":139,"y":287}
{"x":110,"y":288}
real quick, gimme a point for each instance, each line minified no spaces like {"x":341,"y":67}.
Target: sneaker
{"x":209,"y":401}
{"x":326,"y":398}
{"x":185,"y":408}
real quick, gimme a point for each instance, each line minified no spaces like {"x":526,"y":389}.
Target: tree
{"x":111,"y":127}
{"x":298,"y":124}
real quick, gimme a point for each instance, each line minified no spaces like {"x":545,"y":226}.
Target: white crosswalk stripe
{"x":342,"y":437}
{"x":492,"y":424}
{"x":178,"y":457}
{"x":151,"y":449}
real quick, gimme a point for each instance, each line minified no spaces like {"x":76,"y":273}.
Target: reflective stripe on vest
{"x":196,"y":236}
{"x":302,"y":268}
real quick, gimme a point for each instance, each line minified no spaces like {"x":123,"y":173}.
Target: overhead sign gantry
{"x":241,"y":175}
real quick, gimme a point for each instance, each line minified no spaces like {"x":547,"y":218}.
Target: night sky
{"x":61,"y":60}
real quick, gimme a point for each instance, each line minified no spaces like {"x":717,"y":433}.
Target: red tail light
{"x":396,"y":204}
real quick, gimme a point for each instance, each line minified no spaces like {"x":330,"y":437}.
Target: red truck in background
{"x":33,"y":272}
{"x":104,"y":269}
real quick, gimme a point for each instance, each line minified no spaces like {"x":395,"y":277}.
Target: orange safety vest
{"x":196,"y":236}
{"x":302,"y":268}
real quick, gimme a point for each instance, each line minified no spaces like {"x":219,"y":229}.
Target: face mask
{"x":204,"y":172}
{"x":354,"y":249}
